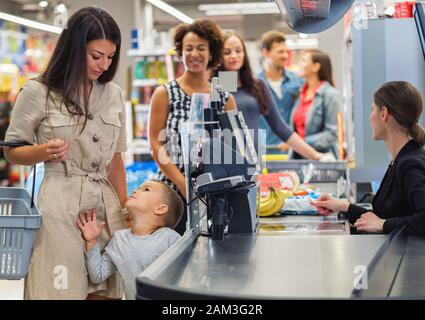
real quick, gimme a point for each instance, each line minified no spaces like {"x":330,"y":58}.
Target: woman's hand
{"x":370,"y":222}
{"x":283,"y":147}
{"x":326,"y":204}
{"x":90,"y":231}
{"x":57,"y":150}
{"x":326,"y":157}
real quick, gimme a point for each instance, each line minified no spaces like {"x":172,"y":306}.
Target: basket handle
{"x":22,"y":144}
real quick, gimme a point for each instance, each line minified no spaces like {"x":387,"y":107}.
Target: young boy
{"x":154,"y":210}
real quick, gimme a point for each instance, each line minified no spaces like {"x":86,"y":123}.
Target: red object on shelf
{"x":281,"y":180}
{"x":403,"y":9}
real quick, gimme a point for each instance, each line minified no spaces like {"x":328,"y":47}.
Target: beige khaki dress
{"x":57,"y":269}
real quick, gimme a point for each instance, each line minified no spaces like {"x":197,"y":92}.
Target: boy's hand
{"x":89,"y":228}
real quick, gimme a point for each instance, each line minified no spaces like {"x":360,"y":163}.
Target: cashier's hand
{"x":57,"y":150}
{"x":90,"y":230}
{"x":370,"y":222}
{"x":326,"y":204}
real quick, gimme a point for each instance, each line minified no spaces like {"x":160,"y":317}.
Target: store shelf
{"x":149,"y":53}
{"x":148,"y":82}
{"x":140,"y":146}
{"x":140,"y":151}
{"x":9,"y":68}
{"x":13,"y":34}
{"x":141,"y":108}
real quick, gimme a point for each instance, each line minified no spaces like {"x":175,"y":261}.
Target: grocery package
{"x":301,"y":204}
{"x":156,"y":69}
{"x":403,"y":9}
{"x":140,"y":71}
{"x":141,"y":124}
{"x":288,"y":180}
{"x":284,"y":202}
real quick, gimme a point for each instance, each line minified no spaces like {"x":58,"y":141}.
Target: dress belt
{"x":112,"y":204}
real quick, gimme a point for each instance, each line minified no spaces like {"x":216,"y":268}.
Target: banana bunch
{"x":273,"y":202}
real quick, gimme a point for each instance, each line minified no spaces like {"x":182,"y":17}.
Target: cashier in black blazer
{"x":400,"y":200}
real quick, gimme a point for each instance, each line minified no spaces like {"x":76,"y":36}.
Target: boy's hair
{"x":174,"y":203}
{"x":270,"y":37}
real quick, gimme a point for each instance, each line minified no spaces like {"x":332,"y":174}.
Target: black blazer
{"x":400,"y":199}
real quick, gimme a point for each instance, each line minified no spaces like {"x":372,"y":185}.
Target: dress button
{"x":96,"y":138}
{"x":94,"y":164}
{"x":90,"y":116}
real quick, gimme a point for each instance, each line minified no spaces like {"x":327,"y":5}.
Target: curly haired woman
{"x":199,"y":46}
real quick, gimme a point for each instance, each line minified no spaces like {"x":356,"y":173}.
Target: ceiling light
{"x":30,"y":23}
{"x":60,"y":8}
{"x":238,"y":12}
{"x":43,"y":4}
{"x":225,"y":9}
{"x":250,"y":6}
{"x":170,"y":10}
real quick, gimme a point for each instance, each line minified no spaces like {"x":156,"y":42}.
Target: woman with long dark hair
{"x":254,"y":99}
{"x":77,"y":116}
{"x":395,"y":113}
{"x":314,"y":116}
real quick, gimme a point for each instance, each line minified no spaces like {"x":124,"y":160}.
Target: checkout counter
{"x":291,"y":257}
{"x":300,"y":266}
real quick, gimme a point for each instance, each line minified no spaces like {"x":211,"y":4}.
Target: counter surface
{"x":274,"y":267}
{"x":410,"y":280}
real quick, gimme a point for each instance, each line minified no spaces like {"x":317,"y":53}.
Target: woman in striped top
{"x":199,"y":46}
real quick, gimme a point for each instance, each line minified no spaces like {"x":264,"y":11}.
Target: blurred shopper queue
{"x":254,"y":98}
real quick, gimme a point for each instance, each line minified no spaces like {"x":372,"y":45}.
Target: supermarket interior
{"x":281,"y":142}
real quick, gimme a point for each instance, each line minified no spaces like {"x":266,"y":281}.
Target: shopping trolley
{"x":19,"y":220}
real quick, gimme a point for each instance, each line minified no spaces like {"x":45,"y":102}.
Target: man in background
{"x":284,"y":84}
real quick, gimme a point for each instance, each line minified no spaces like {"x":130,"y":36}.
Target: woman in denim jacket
{"x":315,"y":114}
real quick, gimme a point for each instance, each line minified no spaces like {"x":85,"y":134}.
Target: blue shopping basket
{"x":19,"y":220}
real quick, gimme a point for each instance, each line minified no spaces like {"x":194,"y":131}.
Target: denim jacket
{"x":290,"y":87}
{"x":321,"y":128}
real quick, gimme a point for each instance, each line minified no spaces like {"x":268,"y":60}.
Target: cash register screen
{"x":243,"y":138}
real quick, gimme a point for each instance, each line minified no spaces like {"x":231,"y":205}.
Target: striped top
{"x":179,"y":110}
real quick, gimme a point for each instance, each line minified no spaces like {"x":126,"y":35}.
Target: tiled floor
{"x":11,"y":289}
